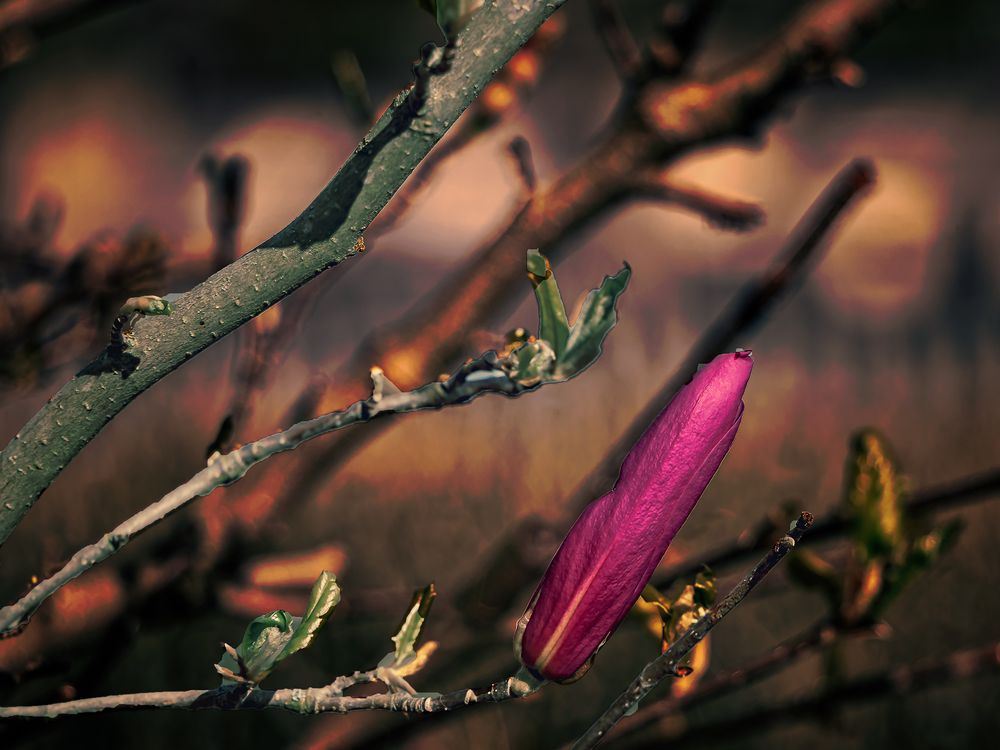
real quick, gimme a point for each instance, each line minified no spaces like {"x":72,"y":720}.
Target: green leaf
{"x":534,"y":362}
{"x":597,"y":317}
{"x":552,"y":324}
{"x":686,"y":609}
{"x":265,"y":638}
{"x":324,"y":597}
{"x":271,"y":637}
{"x":704,"y":589}
{"x":875,"y":496}
{"x":413,"y":623}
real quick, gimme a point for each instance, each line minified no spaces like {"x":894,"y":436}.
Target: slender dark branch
{"x":716,"y":686}
{"x":934,"y":499}
{"x":896,"y":682}
{"x":23,"y":23}
{"x":719,"y":211}
{"x":519,"y":151}
{"x":226,"y":182}
{"x":666,"y":665}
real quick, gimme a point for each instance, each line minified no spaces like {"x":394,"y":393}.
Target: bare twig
{"x":933,"y":499}
{"x":666,"y":665}
{"x":329,"y":699}
{"x":484,"y":375}
{"x":748,"y":308}
{"x":719,"y":211}
{"x":657,"y":124}
{"x":716,"y":686}
{"x":519,"y":151}
{"x":225,"y":180}
{"x":895,"y":682}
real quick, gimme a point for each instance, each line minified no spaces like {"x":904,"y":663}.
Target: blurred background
{"x":144,"y":142}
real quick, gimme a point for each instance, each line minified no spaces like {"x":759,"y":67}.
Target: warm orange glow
{"x":298,"y":569}
{"x":524,"y":67}
{"x":92,"y":598}
{"x":881,"y":255}
{"x":497,"y":98}
{"x":91,"y":164}
{"x":248,"y":602}
{"x":268,"y":320}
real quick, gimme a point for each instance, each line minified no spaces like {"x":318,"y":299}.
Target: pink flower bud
{"x":615,"y":545}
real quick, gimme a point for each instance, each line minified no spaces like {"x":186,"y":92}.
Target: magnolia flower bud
{"x":616,"y":544}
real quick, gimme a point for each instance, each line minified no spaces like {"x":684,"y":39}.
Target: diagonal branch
{"x":666,"y":665}
{"x":710,"y":688}
{"x":488,"y":374}
{"x":719,"y":211}
{"x":896,"y":682}
{"x":933,"y":499}
{"x":324,"y":234}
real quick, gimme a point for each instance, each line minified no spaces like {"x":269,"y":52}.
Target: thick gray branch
{"x":484,"y":375}
{"x":322,"y":236}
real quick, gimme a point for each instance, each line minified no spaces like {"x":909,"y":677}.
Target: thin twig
{"x":716,"y":686}
{"x":666,"y":665}
{"x":719,"y":211}
{"x":483,"y":375}
{"x":329,"y":699}
{"x":226,"y":185}
{"x":519,"y":151}
{"x":895,"y":682}
{"x":933,"y":499}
